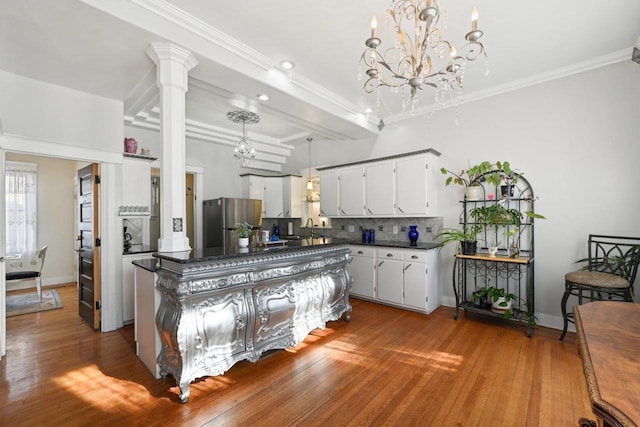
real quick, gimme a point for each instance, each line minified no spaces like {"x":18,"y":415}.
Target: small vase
{"x":243,"y":242}
{"x":130,"y":145}
{"x":413,"y":235}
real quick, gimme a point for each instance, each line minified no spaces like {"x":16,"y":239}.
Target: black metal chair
{"x":31,"y":274}
{"x":612,"y":264}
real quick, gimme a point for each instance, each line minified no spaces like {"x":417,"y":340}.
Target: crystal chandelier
{"x":244,"y":150}
{"x":420,"y":56}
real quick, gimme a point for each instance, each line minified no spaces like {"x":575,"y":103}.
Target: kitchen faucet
{"x":310,"y":220}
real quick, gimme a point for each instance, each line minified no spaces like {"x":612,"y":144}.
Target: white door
{"x":379,"y":189}
{"x":411,"y":178}
{"x":415,"y":285}
{"x":329,"y":193}
{"x":273,"y":198}
{"x":3,"y":284}
{"x":389,"y":280}
{"x":351,"y":191}
{"x":362,"y":271}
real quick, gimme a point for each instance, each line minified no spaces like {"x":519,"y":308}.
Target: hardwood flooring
{"x":385,"y":367}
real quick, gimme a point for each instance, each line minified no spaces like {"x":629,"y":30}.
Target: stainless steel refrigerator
{"x":220,"y":217}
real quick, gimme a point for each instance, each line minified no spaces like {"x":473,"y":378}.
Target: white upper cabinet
{"x":136,"y":178}
{"x":403,"y":185}
{"x":253,"y":188}
{"x":380,"y":188}
{"x":329,"y":193}
{"x":281,"y":196}
{"x":273,"y":197}
{"x":292,"y":195}
{"x":351,"y":191}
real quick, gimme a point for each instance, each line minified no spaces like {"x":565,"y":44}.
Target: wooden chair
{"x":609,"y":275}
{"x":31,"y":274}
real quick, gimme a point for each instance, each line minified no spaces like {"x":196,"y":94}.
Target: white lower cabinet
{"x":400,"y":277}
{"x":128,"y":299}
{"x":389,"y":275}
{"x":362,"y":270}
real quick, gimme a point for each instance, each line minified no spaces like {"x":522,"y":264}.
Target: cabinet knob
{"x":414,"y":256}
{"x":390,"y":255}
{"x":360,"y":252}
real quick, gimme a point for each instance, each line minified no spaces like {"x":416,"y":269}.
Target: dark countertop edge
{"x":379,"y":159}
{"x":148,"y":264}
{"x":140,"y":249}
{"x":399,"y":245}
{"x":186,"y":258}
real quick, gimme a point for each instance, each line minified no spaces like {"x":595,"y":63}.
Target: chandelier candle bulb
{"x":374,"y":25}
{"x":474,"y":19}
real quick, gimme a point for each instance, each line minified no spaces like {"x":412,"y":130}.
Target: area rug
{"x":29,"y":303}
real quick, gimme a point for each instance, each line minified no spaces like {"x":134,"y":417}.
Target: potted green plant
{"x":466,"y":238}
{"x":500,"y":300}
{"x":243,"y":231}
{"x":493,"y":173}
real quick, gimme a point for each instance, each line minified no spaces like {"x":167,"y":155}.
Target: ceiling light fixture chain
{"x":244,"y":150}
{"x":420,"y":56}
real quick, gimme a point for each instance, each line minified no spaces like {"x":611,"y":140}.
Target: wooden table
{"x":609,"y":339}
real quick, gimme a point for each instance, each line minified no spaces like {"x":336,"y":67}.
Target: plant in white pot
{"x":492,"y":173}
{"x":243,"y":231}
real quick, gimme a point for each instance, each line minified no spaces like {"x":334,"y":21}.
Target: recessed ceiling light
{"x":263,"y":97}
{"x":287,"y":65}
{"x":368,"y":110}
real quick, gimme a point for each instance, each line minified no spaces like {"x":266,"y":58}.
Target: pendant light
{"x":309,"y":183}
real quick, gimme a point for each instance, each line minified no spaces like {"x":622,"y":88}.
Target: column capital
{"x":159,"y":52}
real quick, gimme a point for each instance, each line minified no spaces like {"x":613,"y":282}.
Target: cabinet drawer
{"x":388,"y":253}
{"x":415,"y":256}
{"x":362,"y":251}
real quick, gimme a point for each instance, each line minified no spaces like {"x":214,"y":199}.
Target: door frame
{"x":110,"y":162}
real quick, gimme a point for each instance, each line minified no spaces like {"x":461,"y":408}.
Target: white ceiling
{"x":98,"y":46}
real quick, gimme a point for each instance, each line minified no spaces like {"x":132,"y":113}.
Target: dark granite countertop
{"x":139,"y":249}
{"x":396,"y":244}
{"x":219,"y":253}
{"x":147,"y":264}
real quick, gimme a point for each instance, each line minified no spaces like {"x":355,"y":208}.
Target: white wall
{"x":577,"y":140}
{"x":45,"y":112}
{"x":56,"y":206}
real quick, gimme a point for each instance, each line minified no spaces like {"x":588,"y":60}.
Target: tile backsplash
{"x":384,"y":227}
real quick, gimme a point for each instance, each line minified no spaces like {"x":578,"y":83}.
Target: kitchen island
{"x":217,"y":307}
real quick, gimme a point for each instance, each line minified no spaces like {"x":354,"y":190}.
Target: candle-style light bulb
{"x":474,"y":19}
{"x":374,"y":25}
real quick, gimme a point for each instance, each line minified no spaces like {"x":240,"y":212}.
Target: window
{"x":21,"y":212}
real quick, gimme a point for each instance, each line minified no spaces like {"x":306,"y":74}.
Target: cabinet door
{"x":415,"y":285}
{"x":329,"y":193}
{"x":389,"y":276}
{"x":411,"y":178}
{"x":379,"y":188}
{"x":253,"y":188}
{"x":273,"y":197}
{"x":292,"y":196}
{"x":136,"y":177}
{"x":351,"y":192}
{"x":362,"y":271}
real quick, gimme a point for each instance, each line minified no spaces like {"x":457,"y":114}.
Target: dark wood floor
{"x":385,"y":367}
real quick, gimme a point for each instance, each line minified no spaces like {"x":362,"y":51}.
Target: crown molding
{"x":559,"y":73}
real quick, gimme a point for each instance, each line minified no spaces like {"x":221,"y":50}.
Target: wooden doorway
{"x":89,"y":245}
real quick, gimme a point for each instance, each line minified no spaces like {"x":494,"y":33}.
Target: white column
{"x":172,"y":64}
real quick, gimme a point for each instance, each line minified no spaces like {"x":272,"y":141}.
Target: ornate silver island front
{"x":217,"y":309}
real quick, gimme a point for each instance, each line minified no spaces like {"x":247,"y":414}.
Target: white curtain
{"x":21,"y":208}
